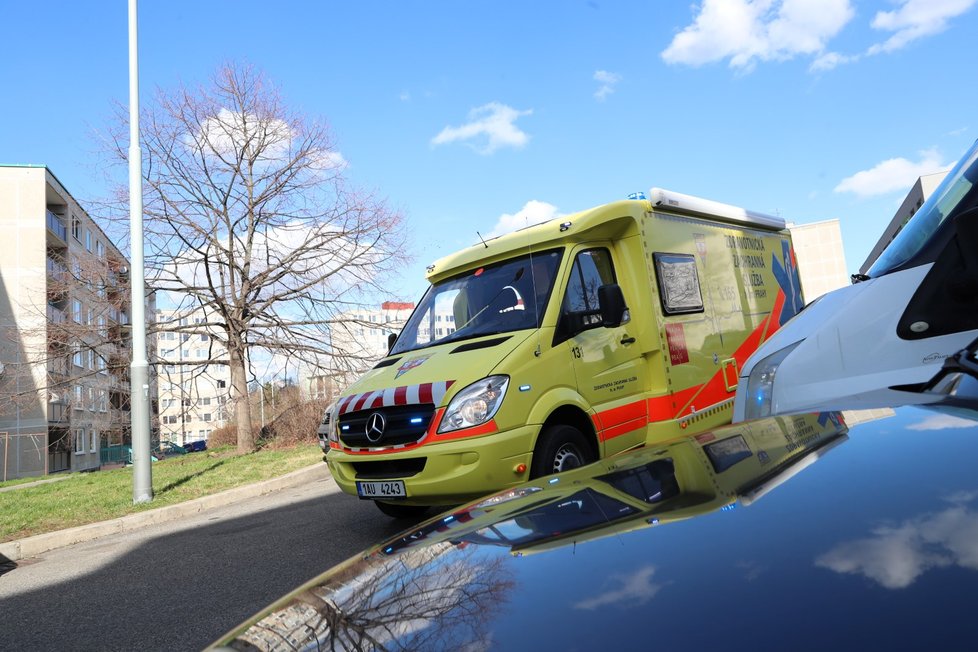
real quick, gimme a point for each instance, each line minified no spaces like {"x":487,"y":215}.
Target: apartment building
{"x":193,"y":389}
{"x":357,"y":343}
{"x":65,"y":343}
{"x":821,"y":257}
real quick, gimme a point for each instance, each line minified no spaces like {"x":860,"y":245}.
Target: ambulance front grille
{"x":400,"y":425}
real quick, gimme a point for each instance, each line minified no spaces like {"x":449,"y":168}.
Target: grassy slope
{"x":90,"y":497}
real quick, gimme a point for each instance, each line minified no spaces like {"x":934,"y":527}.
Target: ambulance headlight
{"x":327,"y":430}
{"x":760,"y":383}
{"x":475,"y":404}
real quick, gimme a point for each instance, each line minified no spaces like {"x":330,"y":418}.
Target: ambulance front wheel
{"x":397,"y":510}
{"x":560,"y":448}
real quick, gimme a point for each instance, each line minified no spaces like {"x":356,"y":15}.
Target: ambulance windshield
{"x":954,"y":195}
{"x":498,"y":298}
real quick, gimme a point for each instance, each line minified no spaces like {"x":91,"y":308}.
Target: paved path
{"x":180,"y":585}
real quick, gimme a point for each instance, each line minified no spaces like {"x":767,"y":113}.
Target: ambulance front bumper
{"x":442,"y":473}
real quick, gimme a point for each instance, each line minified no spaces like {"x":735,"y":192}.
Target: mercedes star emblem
{"x":375,"y":427}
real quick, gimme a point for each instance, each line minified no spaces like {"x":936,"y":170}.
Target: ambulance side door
{"x":608,"y":365}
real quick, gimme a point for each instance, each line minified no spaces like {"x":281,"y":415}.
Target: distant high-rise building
{"x":918,"y":194}
{"x":65,"y":344}
{"x":193,"y":390}
{"x":357,"y":342}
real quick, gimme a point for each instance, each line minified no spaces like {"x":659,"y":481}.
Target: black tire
{"x":398,"y":510}
{"x":560,"y":448}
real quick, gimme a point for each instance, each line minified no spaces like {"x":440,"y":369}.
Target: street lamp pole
{"x":142,"y":476}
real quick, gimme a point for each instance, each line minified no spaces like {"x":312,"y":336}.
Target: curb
{"x":40,"y":543}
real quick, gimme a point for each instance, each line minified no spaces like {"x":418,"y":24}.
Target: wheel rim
{"x":567,"y":457}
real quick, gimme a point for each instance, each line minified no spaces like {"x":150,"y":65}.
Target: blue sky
{"x":471,"y":116}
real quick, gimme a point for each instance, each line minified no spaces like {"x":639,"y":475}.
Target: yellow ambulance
{"x":565,"y":342}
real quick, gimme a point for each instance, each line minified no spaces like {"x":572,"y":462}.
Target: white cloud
{"x":747,"y":31}
{"x":608,"y":81}
{"x":533,"y":212}
{"x":231,"y":131}
{"x":916,"y":19}
{"x":895,"y":557}
{"x":325,"y":161}
{"x":492,"y":124}
{"x":633,"y":590}
{"x":891,"y":175}
{"x":405,"y":96}
{"x":829,"y":60}
{"x":942,"y":422}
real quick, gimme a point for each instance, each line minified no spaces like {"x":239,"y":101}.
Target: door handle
{"x":626,"y":340}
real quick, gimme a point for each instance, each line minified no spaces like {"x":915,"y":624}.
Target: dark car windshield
{"x":497,"y":298}
{"x":945,"y":201}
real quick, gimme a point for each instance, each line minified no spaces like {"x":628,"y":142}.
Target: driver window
{"x":591,"y":270}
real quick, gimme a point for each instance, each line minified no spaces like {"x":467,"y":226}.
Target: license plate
{"x":384,"y":489}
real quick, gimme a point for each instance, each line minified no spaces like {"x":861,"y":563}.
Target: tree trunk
{"x":239,"y":398}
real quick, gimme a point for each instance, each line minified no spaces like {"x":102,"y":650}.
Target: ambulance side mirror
{"x":391,"y":338}
{"x":611,"y":303}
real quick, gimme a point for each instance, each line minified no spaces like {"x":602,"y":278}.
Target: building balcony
{"x":56,"y":228}
{"x":57,"y":271}
{"x":56,"y":315}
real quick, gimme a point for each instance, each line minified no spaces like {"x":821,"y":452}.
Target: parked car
{"x":195,"y":446}
{"x":168,"y":449}
{"x":803,"y":532}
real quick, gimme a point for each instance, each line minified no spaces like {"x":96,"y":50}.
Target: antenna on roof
{"x":483,"y":240}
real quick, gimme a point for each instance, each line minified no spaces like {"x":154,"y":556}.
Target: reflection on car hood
{"x":805,"y":532}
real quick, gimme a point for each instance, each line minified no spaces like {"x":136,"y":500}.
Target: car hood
{"x":431,"y":375}
{"x":815,"y":531}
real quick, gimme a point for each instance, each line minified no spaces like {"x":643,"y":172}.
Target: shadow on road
{"x":6,"y":565}
{"x":183,"y":590}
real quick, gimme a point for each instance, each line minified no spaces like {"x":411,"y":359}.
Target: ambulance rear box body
{"x":563,"y":343}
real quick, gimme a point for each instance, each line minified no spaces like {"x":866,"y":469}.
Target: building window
{"x":77,"y":404}
{"x":201,"y":353}
{"x":206,"y":400}
{"x":93,"y":443}
{"x":75,"y":227}
{"x":100,"y":249}
{"x":76,"y":311}
{"x":207,"y":416}
{"x":88,"y":240}
{"x":221,"y":384}
{"x":79,"y":441}
{"x":204,"y":337}
{"x":91,"y":399}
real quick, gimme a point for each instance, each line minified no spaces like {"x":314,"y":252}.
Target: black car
{"x":807,"y":532}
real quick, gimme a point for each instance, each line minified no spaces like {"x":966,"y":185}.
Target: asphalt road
{"x":181,"y":585}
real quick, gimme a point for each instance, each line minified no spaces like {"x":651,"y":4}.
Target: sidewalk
{"x":41,"y":543}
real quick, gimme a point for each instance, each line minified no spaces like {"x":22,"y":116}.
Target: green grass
{"x":91,"y":497}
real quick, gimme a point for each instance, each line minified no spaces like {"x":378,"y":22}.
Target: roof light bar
{"x":697,"y":206}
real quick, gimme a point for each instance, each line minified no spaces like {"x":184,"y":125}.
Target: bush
{"x":223,"y":436}
{"x":295,"y":425}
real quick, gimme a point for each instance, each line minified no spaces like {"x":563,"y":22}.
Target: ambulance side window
{"x":679,"y":283}
{"x":580,"y":311}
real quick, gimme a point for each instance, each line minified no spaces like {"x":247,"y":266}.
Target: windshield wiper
{"x":858,"y":278}
{"x":962,"y":362}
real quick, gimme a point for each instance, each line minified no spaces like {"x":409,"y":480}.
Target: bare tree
{"x":249,"y":218}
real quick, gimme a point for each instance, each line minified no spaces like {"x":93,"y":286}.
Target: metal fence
{"x":22,"y":455}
